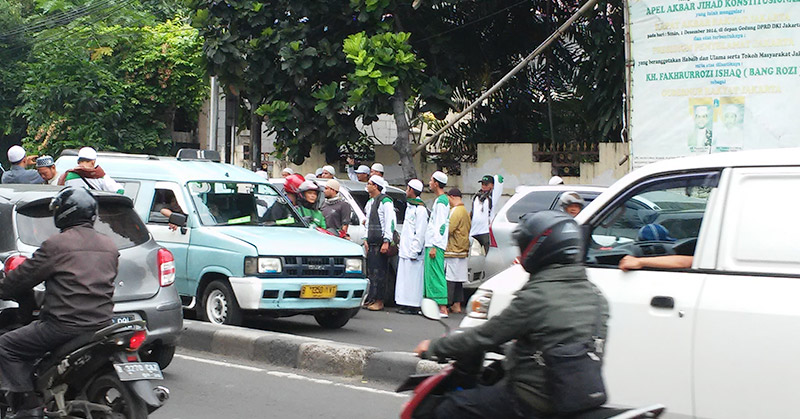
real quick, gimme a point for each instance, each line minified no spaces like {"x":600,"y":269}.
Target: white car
{"x":717,"y":340}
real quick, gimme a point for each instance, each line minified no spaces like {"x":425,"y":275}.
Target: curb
{"x":312,"y":354}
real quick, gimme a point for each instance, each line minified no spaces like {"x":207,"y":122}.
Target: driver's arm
{"x":31,"y":272}
{"x":628,"y":263}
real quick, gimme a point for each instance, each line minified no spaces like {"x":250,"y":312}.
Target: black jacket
{"x":78,"y":267}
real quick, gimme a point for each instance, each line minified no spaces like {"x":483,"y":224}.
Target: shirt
{"x":458,"y":239}
{"x":412,"y":237}
{"x":437,"y":232}
{"x":386,"y":217}
{"x":337,"y":214}
{"x":484,"y":212}
{"x":17,"y":174}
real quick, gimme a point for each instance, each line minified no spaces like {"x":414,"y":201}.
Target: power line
{"x":474,"y":21}
{"x":59,"y":19}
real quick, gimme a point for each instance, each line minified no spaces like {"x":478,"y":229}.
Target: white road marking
{"x":290,"y":375}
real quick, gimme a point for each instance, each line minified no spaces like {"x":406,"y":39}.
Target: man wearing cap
{"x":409,"y":287}
{"x":47,"y":169}
{"x":436,"y":242}
{"x":381,"y":222}
{"x":377,"y":170}
{"x":455,"y":255}
{"x":287,"y":172}
{"x":328,"y":172}
{"x":89,"y":175}
{"x":484,"y":207}
{"x":19,"y":172}
{"x":360,"y":174}
{"x":336,"y":210}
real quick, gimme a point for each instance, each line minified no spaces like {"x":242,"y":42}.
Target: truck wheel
{"x":219,"y":305}
{"x":158,"y":353}
{"x":334,"y":319}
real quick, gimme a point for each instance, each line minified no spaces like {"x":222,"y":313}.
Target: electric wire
{"x":56,"y":20}
{"x":474,"y":21}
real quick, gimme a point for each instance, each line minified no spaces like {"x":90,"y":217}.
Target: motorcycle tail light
{"x":13,"y":262}
{"x":166,"y":267}
{"x":133,"y":358}
{"x":137,"y":340}
{"x":492,"y":241}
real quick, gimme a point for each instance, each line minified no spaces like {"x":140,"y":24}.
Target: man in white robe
{"x":409,"y":286}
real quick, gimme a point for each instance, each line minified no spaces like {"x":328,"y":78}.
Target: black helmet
{"x":73,"y":206}
{"x":548,"y":237}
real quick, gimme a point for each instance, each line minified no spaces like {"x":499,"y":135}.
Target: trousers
{"x":497,"y":401}
{"x":377,"y":268}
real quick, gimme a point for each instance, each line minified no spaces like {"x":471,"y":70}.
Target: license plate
{"x":132,"y":371}
{"x":317,"y":291}
{"x":124,"y":318}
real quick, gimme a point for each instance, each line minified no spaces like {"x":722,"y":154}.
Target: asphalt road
{"x":202,"y":386}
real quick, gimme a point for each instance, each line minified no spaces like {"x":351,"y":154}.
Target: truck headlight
{"x":354,"y":265}
{"x":262,"y":265}
{"x":479,"y":304}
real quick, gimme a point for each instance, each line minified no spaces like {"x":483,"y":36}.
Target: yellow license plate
{"x":317,"y":291}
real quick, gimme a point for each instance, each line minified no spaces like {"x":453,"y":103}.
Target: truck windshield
{"x":241,"y":203}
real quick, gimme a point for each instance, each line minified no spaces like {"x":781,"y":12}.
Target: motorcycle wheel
{"x":159,"y":353}
{"x":108,"y":390}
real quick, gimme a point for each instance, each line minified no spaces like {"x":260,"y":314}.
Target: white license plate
{"x":125,"y":318}
{"x":132,"y":371}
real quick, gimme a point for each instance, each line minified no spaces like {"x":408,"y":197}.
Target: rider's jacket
{"x":557,"y":305}
{"x":78,"y":267}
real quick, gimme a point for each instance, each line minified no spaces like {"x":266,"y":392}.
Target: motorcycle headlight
{"x":479,"y":304}
{"x":262,"y":265}
{"x":354,"y":265}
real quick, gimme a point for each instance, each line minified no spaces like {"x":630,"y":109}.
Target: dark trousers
{"x":497,"y":401}
{"x":483,"y":239}
{"x":455,"y":292}
{"x":21,"y":348}
{"x":377,"y":267}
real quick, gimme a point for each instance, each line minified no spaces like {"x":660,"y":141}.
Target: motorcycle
{"x":94,"y":376}
{"x":430,"y":389}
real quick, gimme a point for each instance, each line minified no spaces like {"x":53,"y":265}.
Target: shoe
{"x":443,"y":315}
{"x":376,"y":306}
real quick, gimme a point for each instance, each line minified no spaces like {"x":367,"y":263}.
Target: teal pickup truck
{"x":239,"y":246}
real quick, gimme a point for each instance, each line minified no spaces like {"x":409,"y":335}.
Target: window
{"x":659,"y":217}
{"x":164,"y":203}
{"x":241,"y":203}
{"x":533,"y":202}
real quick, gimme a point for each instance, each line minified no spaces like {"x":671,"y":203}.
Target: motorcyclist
{"x":571,"y":202}
{"x":557,"y":305}
{"x":78,"y":266}
{"x":307,"y":205}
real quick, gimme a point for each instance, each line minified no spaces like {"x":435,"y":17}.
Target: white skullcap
{"x":288,"y":171}
{"x":378,"y":180}
{"x":556,"y":180}
{"x":311,"y":176}
{"x":329,"y":169}
{"x":16,"y":154}
{"x":363,"y":169}
{"x":440,"y":177}
{"x":378,"y":168}
{"x":87,"y":153}
{"x":318,"y":171}
{"x":415,"y":184}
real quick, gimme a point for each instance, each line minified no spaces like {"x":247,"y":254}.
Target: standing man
{"x":336,"y":210}
{"x":328,"y":172}
{"x":484,"y":207}
{"x":436,"y":242}
{"x":89,"y":175}
{"x":47,"y":170}
{"x":409,"y":287}
{"x":360,"y":174}
{"x":287,"y":172}
{"x":380,"y":225}
{"x":19,"y":172}
{"x":457,"y":251}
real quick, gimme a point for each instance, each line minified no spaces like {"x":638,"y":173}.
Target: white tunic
{"x":409,"y":286}
{"x":481,"y":214}
{"x":438,"y":224}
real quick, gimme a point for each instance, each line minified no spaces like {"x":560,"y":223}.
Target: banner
{"x":713,"y":76}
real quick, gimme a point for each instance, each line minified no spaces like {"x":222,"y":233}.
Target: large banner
{"x":713,"y":76}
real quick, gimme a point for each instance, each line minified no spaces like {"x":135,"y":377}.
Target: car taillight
{"x":166,"y":267}
{"x":137,"y":340}
{"x":492,"y":241}
{"x":13,"y":262}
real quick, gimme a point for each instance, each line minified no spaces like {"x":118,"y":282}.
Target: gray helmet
{"x":73,"y":206}
{"x":548,"y":237}
{"x":569,"y":198}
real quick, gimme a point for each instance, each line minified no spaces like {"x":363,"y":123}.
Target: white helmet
{"x":570,"y":198}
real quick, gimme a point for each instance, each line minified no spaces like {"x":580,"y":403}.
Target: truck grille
{"x":314,"y":266}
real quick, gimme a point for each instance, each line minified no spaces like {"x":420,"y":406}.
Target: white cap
{"x":329,"y":169}
{"x":556,"y":180}
{"x":288,"y":171}
{"x":415,"y":184}
{"x":318,"y":171}
{"x":333,"y":184}
{"x":440,"y":177}
{"x":87,"y":153}
{"x":16,"y":154}
{"x":378,"y":168}
{"x":378,"y":180}
{"x":311,"y":176}
{"x":363,"y":169}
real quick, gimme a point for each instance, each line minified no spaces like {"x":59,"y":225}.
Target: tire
{"x":161,"y":354}
{"x":335,"y":319}
{"x":108,"y":390}
{"x":219,"y":305}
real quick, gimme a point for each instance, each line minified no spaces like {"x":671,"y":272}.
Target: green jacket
{"x":317,"y":219}
{"x":557,"y":305}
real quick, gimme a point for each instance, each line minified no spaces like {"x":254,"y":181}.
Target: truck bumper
{"x":253,"y":293}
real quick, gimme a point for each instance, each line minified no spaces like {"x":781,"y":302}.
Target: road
{"x":203,"y":386}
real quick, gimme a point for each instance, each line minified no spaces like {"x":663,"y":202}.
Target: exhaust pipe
{"x":162,"y":393}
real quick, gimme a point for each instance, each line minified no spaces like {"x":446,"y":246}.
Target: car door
{"x":747,"y":334}
{"x":648,"y":356}
{"x":169,"y":195}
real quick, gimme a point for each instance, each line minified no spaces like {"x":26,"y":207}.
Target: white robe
{"x":409,"y":286}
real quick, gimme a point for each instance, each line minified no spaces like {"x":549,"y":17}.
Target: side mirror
{"x":178,"y":219}
{"x":430,"y":309}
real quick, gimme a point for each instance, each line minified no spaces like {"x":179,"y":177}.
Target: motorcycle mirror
{"x":430,"y":309}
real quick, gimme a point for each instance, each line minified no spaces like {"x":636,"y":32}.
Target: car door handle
{"x":662,"y":302}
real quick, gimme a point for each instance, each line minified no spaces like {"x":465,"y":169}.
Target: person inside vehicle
{"x":658,"y":233}
{"x":571,"y":202}
{"x":165,"y":204}
{"x":557,"y":305}
{"x":89,"y":175}
{"x":307,"y":204}
{"x":78,"y":266}
{"x":19,"y":172}
{"x":47,"y":169}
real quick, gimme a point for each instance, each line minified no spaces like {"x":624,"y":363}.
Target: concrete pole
{"x":213,"y":114}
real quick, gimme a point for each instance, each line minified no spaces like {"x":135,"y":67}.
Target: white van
{"x":717,"y":340}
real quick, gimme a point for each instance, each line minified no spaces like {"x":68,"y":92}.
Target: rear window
{"x":361,"y":197}
{"x":540,"y":201}
{"x":120,"y":223}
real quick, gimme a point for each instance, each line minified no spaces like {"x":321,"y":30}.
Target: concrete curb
{"x":317,"y":355}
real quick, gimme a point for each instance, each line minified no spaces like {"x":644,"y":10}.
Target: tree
{"x":13,"y":52}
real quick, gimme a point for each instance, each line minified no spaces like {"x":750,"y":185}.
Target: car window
{"x":532,"y":202}
{"x":361,"y":198}
{"x":119,"y":222}
{"x":130,"y":188}
{"x":399,"y":205}
{"x":660,"y":217}
{"x":164,"y":203}
{"x":242,"y":203}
